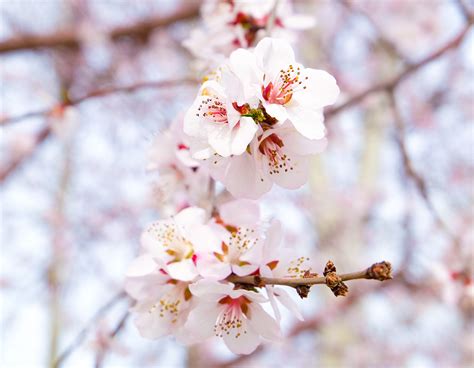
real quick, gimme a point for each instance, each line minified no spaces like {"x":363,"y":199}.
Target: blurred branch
{"x":378,"y":271}
{"x":468,"y":16}
{"x":408,"y":166}
{"x":40,"y":137}
{"x":408,"y":71}
{"x":99,"y":93}
{"x":84,"y":332}
{"x":72,"y":38}
{"x":99,"y":361}
{"x":385,"y":42}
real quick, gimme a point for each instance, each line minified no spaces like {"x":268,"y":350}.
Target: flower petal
{"x":321,"y":89}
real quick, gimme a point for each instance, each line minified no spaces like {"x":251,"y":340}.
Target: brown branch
{"x":395,"y":81}
{"x":98,"y":93}
{"x":71,"y":38}
{"x":378,"y":271}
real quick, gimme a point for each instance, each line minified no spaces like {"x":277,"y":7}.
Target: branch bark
{"x":378,"y":271}
{"x":71,"y":38}
{"x":99,"y":93}
{"x":408,"y":71}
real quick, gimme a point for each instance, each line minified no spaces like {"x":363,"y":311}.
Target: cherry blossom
{"x":182,"y":180}
{"x":172,"y":242}
{"x":241,"y":237}
{"x":260,"y":120}
{"x":162,"y":302}
{"x":235,"y":315}
{"x":228,"y":25}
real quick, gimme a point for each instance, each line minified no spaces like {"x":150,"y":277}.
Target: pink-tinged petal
{"x":243,"y":340}
{"x":243,"y":180}
{"x":273,"y":55}
{"x":263,"y":324}
{"x":141,"y":266}
{"x":285,"y":299}
{"x":211,"y":268}
{"x":184,"y":270}
{"x":321,"y":89}
{"x":190,"y":216}
{"x":200,"y":323}
{"x":308,"y":122}
{"x":273,"y":240}
{"x":243,"y":134}
{"x":296,"y":143}
{"x":294,"y":177}
{"x":210,"y":289}
{"x":243,"y":212}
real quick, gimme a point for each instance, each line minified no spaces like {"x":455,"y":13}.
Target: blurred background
{"x":85,"y":87}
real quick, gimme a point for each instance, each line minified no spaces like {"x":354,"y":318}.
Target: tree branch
{"x":83,"y":334}
{"x":99,"y":93}
{"x":72,"y":39}
{"x":378,"y":271}
{"x":395,"y":81}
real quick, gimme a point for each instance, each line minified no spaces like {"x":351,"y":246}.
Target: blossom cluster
{"x":257,"y":121}
{"x":232,"y":24}
{"x":180,"y":281}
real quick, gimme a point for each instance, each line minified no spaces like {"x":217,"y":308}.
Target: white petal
{"x":243,"y":180}
{"x":284,"y":298}
{"x":277,"y":111}
{"x":210,"y":289}
{"x":205,"y":240}
{"x":296,"y":143}
{"x":242,"y":212}
{"x":152,"y":325}
{"x":245,"y":343}
{"x":184,"y":270}
{"x":211,"y":268}
{"x":263,"y":324}
{"x":201,"y":321}
{"x":141,"y":266}
{"x":244,"y":270}
{"x":243,"y":134}
{"x":273,"y":55}
{"x":219,"y":138}
{"x":295,"y":178}
{"x":308,"y":122}
{"x":321,"y":89}
{"x":190,"y":216}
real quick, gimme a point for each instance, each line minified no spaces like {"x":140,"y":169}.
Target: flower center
{"x":231,"y":319}
{"x":281,"y":90}
{"x":278,"y":161}
{"x":212,"y":109}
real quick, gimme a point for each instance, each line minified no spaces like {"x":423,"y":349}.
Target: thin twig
{"x":119,"y":327}
{"x":72,"y":39}
{"x":395,"y":81}
{"x":378,"y":271}
{"x":85,"y":331}
{"x":100,"y":93}
{"x":409,"y":168}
